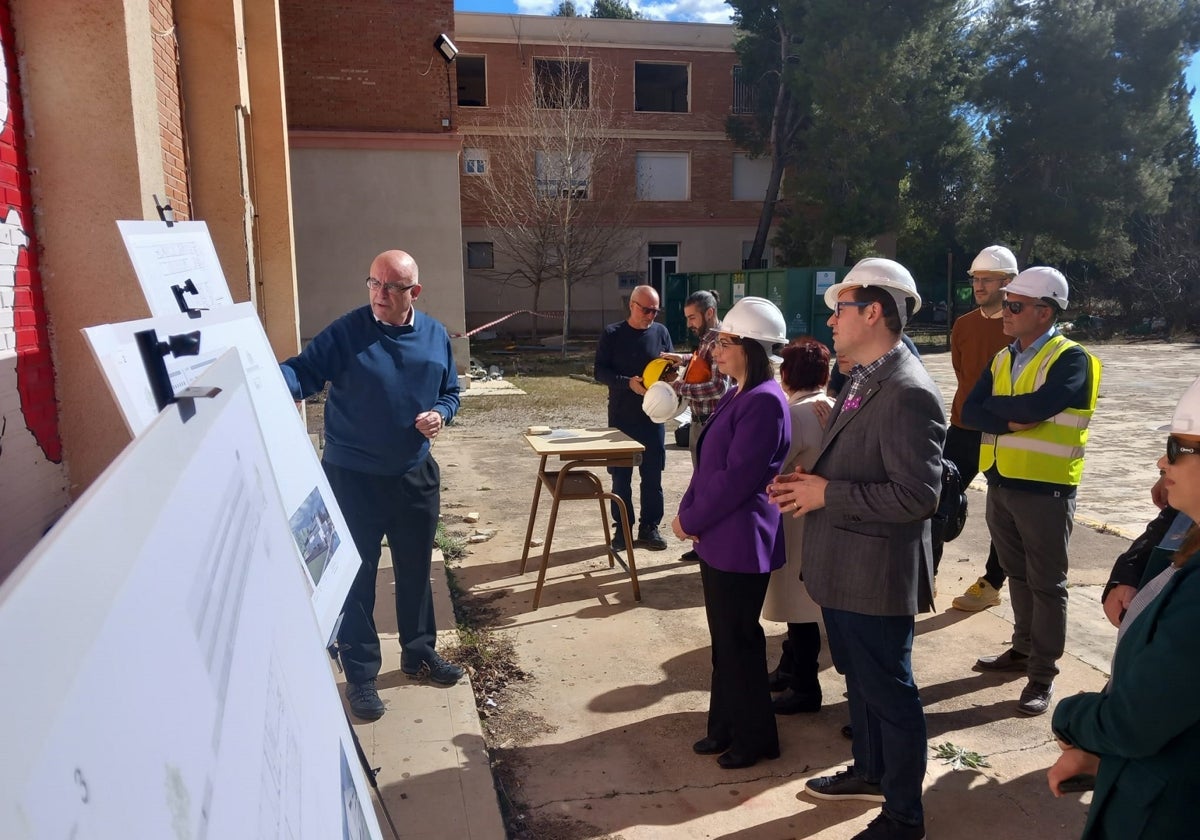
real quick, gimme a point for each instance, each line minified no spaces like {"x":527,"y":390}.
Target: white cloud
{"x":700,"y":11}
{"x":537,"y":7}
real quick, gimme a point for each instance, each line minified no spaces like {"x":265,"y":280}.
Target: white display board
{"x":179,"y":687}
{"x":323,"y":540}
{"x":166,"y":257}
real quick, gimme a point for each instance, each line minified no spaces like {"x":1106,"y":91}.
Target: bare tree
{"x":555,"y":200}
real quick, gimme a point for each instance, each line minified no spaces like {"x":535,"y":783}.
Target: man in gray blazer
{"x":868,"y":560}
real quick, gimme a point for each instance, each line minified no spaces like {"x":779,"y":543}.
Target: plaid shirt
{"x":859,"y":374}
{"x":702,"y":397}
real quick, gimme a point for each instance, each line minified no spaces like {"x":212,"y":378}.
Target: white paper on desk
{"x":562,"y":434}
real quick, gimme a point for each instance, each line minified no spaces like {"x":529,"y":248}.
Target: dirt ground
{"x":590,"y":703}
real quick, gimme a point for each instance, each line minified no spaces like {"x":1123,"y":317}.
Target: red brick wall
{"x":367,"y":65}
{"x":510,"y":69}
{"x":32,"y":480}
{"x":166,"y":78}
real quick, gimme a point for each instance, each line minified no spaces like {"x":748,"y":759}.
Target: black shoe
{"x":364,"y":700}
{"x":1010,"y":660}
{"x":843,"y":785}
{"x":709,"y":746}
{"x":650,"y":539}
{"x":779,"y":680}
{"x":690,"y":556}
{"x":848,"y":732}
{"x":733,"y":760}
{"x":884,"y":827}
{"x":1035,"y":698}
{"x":793,"y":702}
{"x":618,"y":543}
{"x":437,"y":669}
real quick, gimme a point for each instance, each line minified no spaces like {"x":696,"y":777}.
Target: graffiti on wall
{"x":32,"y":481}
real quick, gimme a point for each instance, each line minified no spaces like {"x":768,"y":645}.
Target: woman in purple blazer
{"x":737,"y":532}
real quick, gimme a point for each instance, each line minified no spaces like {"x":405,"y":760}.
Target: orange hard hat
{"x":698,"y":370}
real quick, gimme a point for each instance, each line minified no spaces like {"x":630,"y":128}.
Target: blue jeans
{"x":654,"y":437}
{"x":875,"y":655}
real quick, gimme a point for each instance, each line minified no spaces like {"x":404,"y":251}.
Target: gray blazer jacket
{"x":868,"y":550}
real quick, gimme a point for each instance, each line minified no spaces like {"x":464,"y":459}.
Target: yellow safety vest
{"x":1052,"y":451}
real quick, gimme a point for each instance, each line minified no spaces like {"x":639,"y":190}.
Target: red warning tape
{"x":555,"y":314}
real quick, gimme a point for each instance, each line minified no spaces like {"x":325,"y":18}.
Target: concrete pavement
{"x":623,"y":685}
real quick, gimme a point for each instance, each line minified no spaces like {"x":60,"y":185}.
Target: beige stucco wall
{"x":352,"y":203}
{"x":600,"y":301}
{"x":95,"y":157}
{"x":90,"y":98}
{"x":236,"y":123}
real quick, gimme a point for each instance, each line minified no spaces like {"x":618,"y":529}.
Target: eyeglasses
{"x":726,"y":343}
{"x":857,"y":304}
{"x":1175,"y":449}
{"x":649,"y":310}
{"x":1016,"y":307}
{"x":390,"y":288}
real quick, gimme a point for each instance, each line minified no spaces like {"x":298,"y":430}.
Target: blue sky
{"x":706,"y":11}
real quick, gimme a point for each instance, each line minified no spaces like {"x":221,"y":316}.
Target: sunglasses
{"x":857,"y":304}
{"x":1175,"y":449}
{"x":649,"y":310}
{"x":1016,"y":307}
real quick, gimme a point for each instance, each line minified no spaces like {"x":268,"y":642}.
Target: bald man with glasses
{"x":393,"y":385}
{"x":622,"y":353}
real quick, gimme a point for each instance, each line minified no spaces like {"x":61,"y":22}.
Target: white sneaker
{"x":979,"y":596}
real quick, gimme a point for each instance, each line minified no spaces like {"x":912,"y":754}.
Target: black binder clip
{"x":153,"y":352}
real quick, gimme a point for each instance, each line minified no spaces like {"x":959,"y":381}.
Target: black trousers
{"x":799,"y":661}
{"x":962,"y":447}
{"x":739,"y":709}
{"x":405,"y":509}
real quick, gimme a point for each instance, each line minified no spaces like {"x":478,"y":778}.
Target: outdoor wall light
{"x":446,"y":47}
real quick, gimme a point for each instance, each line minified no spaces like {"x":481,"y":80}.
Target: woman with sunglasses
{"x":1141,"y":735}
{"x":737,"y":532}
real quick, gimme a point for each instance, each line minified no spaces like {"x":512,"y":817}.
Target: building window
{"x":764,"y":262}
{"x":660,"y":87}
{"x":480,"y":255}
{"x":475,"y":161}
{"x":750,"y":177}
{"x":662,"y":176}
{"x":560,"y":175}
{"x":472,"y":80}
{"x":561,"y":83}
{"x":743,"y":92}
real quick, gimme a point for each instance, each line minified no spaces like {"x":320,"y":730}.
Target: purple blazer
{"x":740,"y":450}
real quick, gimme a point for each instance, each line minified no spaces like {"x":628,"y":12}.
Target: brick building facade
{"x":130,"y":99}
{"x":33,"y":484}
{"x":673,"y":87}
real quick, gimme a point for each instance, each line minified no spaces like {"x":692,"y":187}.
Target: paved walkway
{"x":626,"y":683}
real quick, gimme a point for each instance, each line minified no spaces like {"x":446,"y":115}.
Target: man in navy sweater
{"x":393,"y":387}
{"x":622,"y":353}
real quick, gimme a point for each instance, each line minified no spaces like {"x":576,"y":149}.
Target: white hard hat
{"x":883,"y":273}
{"x":661,"y":403}
{"x":1040,"y":282}
{"x":1186,"y":420}
{"x":994,"y":258}
{"x":759,"y":319}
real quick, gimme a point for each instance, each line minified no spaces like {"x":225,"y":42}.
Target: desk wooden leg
{"x":608,"y":539}
{"x":637,"y":590}
{"x":537,"y":593}
{"x":537,"y":493}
